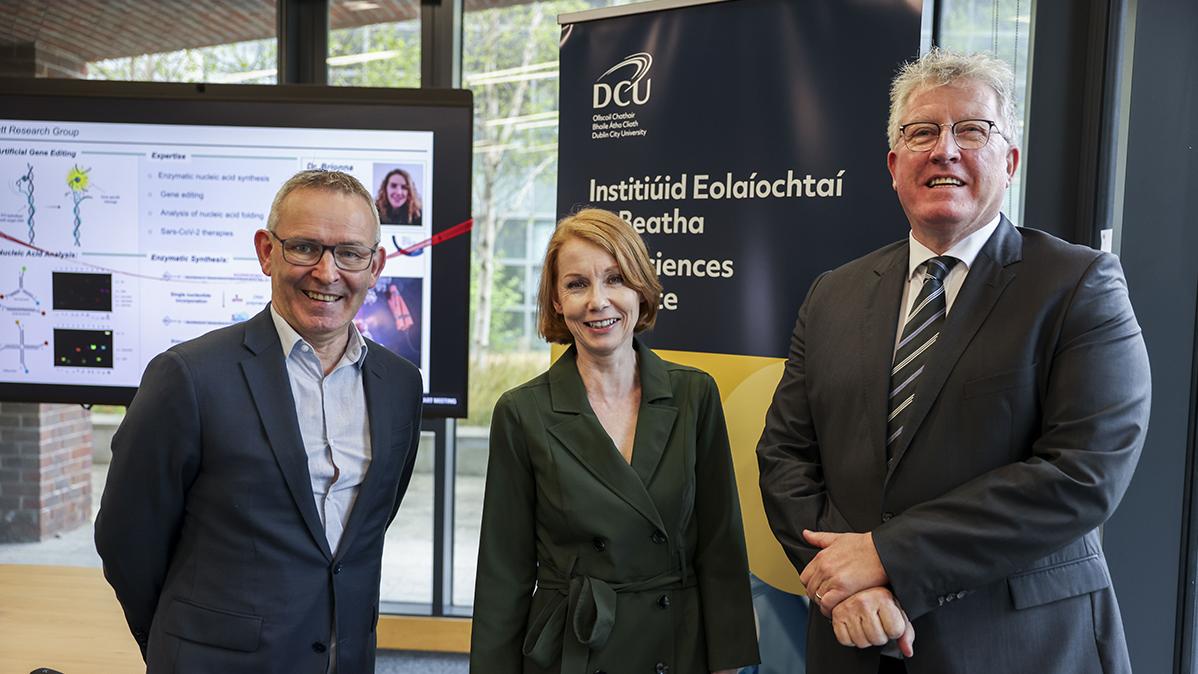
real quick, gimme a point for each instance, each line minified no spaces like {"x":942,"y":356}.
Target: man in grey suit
{"x":259,"y":465}
{"x":960,"y":411}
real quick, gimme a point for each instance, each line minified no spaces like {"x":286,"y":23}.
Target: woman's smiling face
{"x":397,"y":191}
{"x":600,"y":311}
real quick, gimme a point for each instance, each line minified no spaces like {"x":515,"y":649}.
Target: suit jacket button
{"x":599,"y":543}
{"x":658,"y":537}
{"x":664,"y":601}
{"x":337,"y":568}
{"x":600,"y":671}
{"x":318,"y":647}
{"x":661,"y":668}
{"x":961,"y":594}
{"x":886,"y":516}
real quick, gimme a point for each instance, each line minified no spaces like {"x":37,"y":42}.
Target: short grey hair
{"x":941,"y":67}
{"x":319,"y":179}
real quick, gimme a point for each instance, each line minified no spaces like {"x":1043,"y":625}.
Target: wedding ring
{"x":819,"y":597}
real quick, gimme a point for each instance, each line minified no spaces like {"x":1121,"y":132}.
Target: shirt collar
{"x":966,"y":250}
{"x":355,"y":349}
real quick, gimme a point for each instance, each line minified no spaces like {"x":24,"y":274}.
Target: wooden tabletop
{"x":65,"y":618}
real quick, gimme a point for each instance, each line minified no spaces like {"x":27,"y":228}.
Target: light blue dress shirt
{"x":333,"y":423}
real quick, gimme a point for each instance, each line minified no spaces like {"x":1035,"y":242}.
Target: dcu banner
{"x":746,"y":141}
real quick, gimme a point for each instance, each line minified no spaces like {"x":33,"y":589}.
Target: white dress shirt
{"x":966,"y":251}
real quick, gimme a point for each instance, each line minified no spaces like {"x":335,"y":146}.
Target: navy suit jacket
{"x":1025,"y":430}
{"x":208,"y":527}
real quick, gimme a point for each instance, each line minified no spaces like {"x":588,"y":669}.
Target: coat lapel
{"x":988,"y":277}
{"x":266,"y":375}
{"x":581,"y":434}
{"x":379,"y":409}
{"x":877,"y":349}
{"x":655,"y":418}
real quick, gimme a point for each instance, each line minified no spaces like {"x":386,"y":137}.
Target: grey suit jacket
{"x":208,"y":528}
{"x":1025,"y":430}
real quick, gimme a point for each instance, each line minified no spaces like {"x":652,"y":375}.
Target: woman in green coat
{"x":611,"y":534}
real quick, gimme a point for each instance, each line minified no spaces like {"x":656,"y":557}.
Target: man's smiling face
{"x":320,"y":301}
{"x":946,"y":192}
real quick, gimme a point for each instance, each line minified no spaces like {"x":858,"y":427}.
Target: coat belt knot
{"x":580,"y":617}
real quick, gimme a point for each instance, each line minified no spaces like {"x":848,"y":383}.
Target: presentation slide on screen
{"x":118,"y":241}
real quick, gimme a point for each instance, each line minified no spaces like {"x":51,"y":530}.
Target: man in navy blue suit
{"x":259,"y":465}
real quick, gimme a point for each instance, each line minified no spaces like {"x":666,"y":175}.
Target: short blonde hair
{"x":942,"y":67}
{"x":614,"y":235}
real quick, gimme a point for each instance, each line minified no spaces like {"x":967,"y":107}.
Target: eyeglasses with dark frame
{"x":969,"y":134}
{"x":307,"y":253}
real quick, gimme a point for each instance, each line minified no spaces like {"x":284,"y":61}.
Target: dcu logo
{"x":626,"y":92}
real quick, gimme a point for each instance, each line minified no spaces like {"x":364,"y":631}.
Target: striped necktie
{"x":919,"y":336}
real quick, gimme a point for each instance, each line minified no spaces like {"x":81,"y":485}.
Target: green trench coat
{"x":589,"y":564}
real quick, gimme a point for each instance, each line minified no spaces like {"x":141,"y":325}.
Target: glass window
{"x":140,"y":40}
{"x":1001,"y":28}
{"x":509,"y":61}
{"x":374,"y":44}
{"x":143,"y":40}
{"x":511,"y":240}
{"x":249,"y":62}
{"x":541,"y":231}
{"x":407,"y":575}
{"x":468,"y":486}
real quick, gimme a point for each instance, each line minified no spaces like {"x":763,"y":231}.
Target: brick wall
{"x":45,"y":470}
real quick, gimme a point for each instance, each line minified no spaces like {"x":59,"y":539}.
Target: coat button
{"x":661,"y":668}
{"x":600,"y":671}
{"x":599,"y":543}
{"x":318,"y":647}
{"x":887,"y":516}
{"x":658,"y":537}
{"x":664,"y":601}
{"x":337,"y":568}
{"x":961,"y":594}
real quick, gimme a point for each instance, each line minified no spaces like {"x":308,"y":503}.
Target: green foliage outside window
{"x":250,"y":62}
{"x":380,"y":55}
{"x":1001,"y":28}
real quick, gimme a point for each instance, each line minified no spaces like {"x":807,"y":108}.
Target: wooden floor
{"x":65,"y":618}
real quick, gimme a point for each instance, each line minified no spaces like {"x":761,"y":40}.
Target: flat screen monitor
{"x":128,"y":211}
